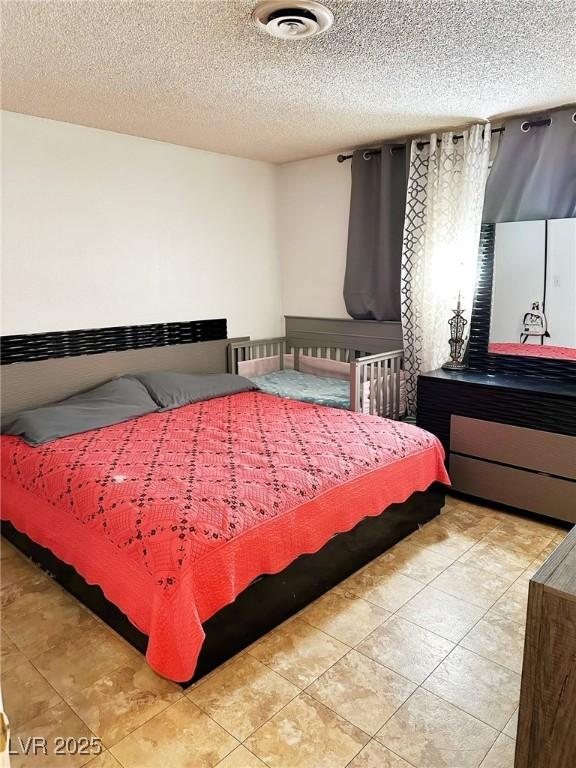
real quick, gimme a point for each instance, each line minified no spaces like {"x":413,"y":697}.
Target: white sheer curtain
{"x":446,"y":184}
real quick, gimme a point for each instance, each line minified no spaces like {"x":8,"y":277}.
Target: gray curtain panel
{"x":376,"y":225}
{"x":534,"y":174}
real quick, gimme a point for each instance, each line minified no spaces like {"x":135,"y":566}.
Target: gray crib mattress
{"x":305,"y":387}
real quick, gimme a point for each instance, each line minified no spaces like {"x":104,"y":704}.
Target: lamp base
{"x":454,"y":365}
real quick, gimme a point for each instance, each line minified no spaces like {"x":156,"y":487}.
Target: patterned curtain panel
{"x":446,"y":184}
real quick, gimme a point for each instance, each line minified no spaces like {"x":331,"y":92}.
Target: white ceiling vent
{"x":292,"y":19}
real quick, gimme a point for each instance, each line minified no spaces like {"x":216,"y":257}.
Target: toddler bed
{"x":335,"y":376}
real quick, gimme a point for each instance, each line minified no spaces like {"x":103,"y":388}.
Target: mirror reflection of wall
{"x":534,"y":294}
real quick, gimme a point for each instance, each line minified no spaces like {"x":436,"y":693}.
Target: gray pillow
{"x":111,"y":403}
{"x":171,"y":390}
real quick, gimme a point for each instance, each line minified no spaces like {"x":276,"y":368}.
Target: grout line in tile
{"x":509,"y":669}
{"x":405,"y":678}
{"x":109,"y":746}
{"x":24,"y":725}
{"x":457,"y":645}
{"x":12,"y":640}
{"x":65,"y":697}
{"x":464,"y":600}
{"x":418,"y":685}
{"x":253,"y":753}
{"x":121,"y":764}
{"x":95,"y":757}
{"x":448,"y":556}
{"x":497,"y":732}
{"x":305,"y":690}
{"x":392,"y":613}
{"x":301,"y":690}
{"x":157,"y":714}
{"x":241,"y":741}
{"x":343,"y":641}
{"x":422,"y":586}
{"x":48,"y":683}
{"x":379,"y":743}
{"x":457,"y":706}
{"x":271,"y":718}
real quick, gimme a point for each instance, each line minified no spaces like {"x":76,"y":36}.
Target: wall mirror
{"x":534,"y":289}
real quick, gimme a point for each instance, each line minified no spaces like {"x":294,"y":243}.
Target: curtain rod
{"x":369,"y":152}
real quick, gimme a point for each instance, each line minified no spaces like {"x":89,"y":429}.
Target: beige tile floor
{"x":413,"y":662}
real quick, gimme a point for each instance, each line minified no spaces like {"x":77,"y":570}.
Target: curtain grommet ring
{"x":366,"y":155}
{"x":455,"y":139}
{"x":525,"y":126}
{"x":574,"y":118}
{"x":419,"y":145}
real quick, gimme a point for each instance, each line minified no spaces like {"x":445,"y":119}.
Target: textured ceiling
{"x":200,"y":74}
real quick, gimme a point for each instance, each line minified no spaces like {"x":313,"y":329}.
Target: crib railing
{"x":375,"y":380}
{"x":339,"y":354}
{"x":242,"y":351}
{"x":383,"y":374}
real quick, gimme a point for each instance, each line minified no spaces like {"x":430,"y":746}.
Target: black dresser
{"x":508,"y":439}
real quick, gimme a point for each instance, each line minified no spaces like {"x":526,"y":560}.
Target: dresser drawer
{"x":519,"y":446}
{"x":519,"y":488}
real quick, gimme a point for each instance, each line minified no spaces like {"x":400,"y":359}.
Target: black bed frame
{"x":269,"y":600}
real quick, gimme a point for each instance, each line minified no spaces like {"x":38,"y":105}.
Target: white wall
{"x":519,"y":273}
{"x":561,"y":283}
{"x":105,"y":229}
{"x":518,"y":277}
{"x":313,"y":208}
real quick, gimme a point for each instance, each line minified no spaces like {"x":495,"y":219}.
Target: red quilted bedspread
{"x":174,"y":514}
{"x":533,"y":350}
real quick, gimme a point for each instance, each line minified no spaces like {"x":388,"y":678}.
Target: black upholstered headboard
{"x":91,"y":341}
{"x":40,"y":368}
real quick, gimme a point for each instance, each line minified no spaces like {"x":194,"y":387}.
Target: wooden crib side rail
{"x":383,"y":372}
{"x":340,"y":353}
{"x":241,"y":351}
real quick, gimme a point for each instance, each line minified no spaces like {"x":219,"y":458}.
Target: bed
{"x":196,"y":530}
{"x":336,"y":374}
